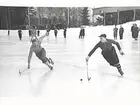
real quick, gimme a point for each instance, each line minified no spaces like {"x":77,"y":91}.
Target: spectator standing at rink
{"x":65,"y":30}
{"x":8,"y":32}
{"x":132,"y":30}
{"x":38,"y":32}
{"x":48,"y":30}
{"x":82,"y":33}
{"x":108,"y":52}
{"x":115,"y":32}
{"x":135,"y":31}
{"x":20,"y":34}
{"x":121,"y":31}
{"x":30,"y":32}
{"x":55,"y":32}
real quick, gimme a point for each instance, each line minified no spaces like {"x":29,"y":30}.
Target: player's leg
{"x":112,"y":58}
{"x":20,"y":36}
{"x":51,"y":61}
{"x":51,"y":67}
{"x":121,"y":36}
{"x":119,"y":68}
{"x":45,"y":60}
{"x":115,"y":61}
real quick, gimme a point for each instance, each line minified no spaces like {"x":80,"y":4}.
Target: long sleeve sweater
{"x":104,"y":46}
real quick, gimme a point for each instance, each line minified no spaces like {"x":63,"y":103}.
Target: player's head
{"x":102,"y":37}
{"x":34,"y":27}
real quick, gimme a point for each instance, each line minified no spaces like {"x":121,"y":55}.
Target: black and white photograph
{"x":69,"y":52}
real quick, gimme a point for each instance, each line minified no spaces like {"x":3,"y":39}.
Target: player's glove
{"x":121,"y":52}
{"x":47,"y":33}
{"x":87,"y":58}
{"x":48,"y":30}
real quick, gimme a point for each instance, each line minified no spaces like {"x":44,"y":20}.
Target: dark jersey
{"x":19,"y":32}
{"x":121,"y":30}
{"x":105,"y":46}
{"x":82,"y":32}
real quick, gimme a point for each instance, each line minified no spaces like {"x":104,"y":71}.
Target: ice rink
{"x":62,"y":86}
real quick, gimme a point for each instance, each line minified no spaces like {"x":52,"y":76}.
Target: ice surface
{"x":40,"y":86}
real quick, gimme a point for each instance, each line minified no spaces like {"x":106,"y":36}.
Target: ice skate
{"x":51,"y":67}
{"x":51,"y":61}
{"x":121,"y":72}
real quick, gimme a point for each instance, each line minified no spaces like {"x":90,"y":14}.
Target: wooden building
{"x":118,"y":15}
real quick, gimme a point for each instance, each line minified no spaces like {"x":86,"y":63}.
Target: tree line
{"x":42,"y":17}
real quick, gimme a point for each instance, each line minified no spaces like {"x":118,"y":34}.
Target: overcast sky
{"x":70,"y":3}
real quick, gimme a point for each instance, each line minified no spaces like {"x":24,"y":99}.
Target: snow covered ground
{"x":40,"y":86}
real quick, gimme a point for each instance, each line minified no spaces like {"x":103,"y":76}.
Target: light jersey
{"x":37,"y":48}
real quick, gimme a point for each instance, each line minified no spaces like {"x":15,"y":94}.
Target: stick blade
{"x":89,"y":78}
{"x":19,"y":72}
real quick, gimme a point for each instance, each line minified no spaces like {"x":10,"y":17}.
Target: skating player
{"x":40,"y":52}
{"x":108,"y":52}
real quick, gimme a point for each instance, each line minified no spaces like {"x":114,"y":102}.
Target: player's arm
{"x":42,"y":37}
{"x":29,"y":57}
{"x":118,"y":46}
{"x":92,"y":51}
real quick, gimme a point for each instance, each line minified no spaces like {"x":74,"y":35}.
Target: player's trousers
{"x":42,"y":56}
{"x":111,"y":56}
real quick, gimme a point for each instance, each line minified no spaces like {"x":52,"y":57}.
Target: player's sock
{"x":51,"y":61}
{"x":51,"y":67}
{"x":119,"y":69}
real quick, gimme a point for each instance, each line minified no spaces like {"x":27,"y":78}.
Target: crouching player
{"x":108,"y":52}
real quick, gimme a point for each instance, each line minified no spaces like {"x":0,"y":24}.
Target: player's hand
{"x":87,"y":58}
{"x":48,"y":30}
{"x":121,"y":52}
{"x":47,"y":34}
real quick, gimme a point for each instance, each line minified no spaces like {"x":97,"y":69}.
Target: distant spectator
{"x":20,"y":34}
{"x":8,"y":32}
{"x":132,"y":30}
{"x":55,"y":32}
{"x":82,"y":33}
{"x":30,"y":32}
{"x":33,"y":33}
{"x":38,"y":32}
{"x":65,"y":30}
{"x":135,"y":31}
{"x":121,"y":31}
{"x":115,"y":32}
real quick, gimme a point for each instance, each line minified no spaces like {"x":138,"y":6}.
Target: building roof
{"x":112,"y":9}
